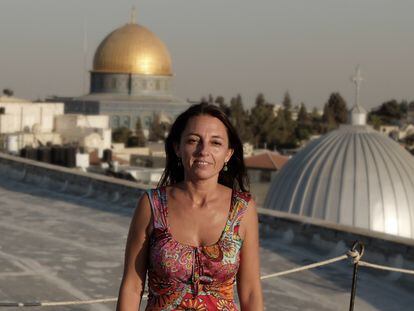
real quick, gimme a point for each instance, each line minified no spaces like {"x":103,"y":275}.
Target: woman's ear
{"x":229,"y":155}
{"x":176,"y":150}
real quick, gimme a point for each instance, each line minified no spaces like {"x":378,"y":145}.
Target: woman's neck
{"x":200,"y":192}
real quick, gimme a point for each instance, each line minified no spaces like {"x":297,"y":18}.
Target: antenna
{"x":133,"y":15}
{"x":357,"y":80}
{"x":85,"y":55}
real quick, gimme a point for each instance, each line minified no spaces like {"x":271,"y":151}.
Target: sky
{"x":222,"y":47}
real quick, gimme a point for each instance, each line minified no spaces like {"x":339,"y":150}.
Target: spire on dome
{"x":357,"y":80}
{"x":133,"y":19}
{"x":357,"y":114}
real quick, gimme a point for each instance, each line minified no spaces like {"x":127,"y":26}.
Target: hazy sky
{"x":223,"y":47}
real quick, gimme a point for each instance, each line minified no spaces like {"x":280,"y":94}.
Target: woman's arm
{"x":136,"y":254}
{"x":248,"y":277}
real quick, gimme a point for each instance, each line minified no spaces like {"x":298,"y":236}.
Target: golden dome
{"x":132,"y":49}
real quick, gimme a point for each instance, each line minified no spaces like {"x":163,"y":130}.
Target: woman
{"x":177,"y":235}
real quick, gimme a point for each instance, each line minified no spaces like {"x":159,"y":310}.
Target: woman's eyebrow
{"x":217,"y":136}
{"x":198,"y":135}
{"x":195,"y":134}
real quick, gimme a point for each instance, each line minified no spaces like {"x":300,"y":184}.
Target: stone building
{"x":264,"y":166}
{"x":131,"y":79}
{"x":25,"y":123}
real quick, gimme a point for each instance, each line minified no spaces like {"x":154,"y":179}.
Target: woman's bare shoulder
{"x":143,"y":214}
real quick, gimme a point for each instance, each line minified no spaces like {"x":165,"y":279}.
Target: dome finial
{"x":133,"y":15}
{"x":357,"y":80}
{"x":357,"y":115}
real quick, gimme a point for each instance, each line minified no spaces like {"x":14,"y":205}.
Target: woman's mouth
{"x":201,"y":163}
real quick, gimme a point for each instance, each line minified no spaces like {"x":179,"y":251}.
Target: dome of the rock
{"x":132,"y":49}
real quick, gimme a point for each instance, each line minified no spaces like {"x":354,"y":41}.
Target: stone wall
{"x":333,"y":240}
{"x":73,"y":181}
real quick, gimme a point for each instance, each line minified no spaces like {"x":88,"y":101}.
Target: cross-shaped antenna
{"x":357,"y":80}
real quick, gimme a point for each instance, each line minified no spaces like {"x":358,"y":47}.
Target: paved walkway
{"x":57,"y":247}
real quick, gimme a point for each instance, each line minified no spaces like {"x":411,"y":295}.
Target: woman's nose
{"x":202,"y":148}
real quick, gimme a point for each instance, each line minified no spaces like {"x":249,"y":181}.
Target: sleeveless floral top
{"x":184,"y":277}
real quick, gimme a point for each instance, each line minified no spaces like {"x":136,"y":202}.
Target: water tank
{"x":31,"y":153}
{"x":69,"y":156}
{"x":12,"y":144}
{"x":107,"y":155}
{"x":44,"y":154}
{"x":57,"y":155}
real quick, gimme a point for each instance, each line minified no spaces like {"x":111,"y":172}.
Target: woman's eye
{"x":216,"y":143}
{"x":192,"y":141}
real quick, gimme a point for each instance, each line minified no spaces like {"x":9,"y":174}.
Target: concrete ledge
{"x":311,"y":223}
{"x":333,"y":240}
{"x":72,"y":181}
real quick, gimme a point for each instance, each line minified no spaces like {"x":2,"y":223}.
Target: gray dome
{"x":353,"y":176}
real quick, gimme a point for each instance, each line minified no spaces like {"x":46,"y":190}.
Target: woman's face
{"x":204,"y":147}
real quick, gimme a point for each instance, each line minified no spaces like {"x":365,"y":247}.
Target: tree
{"x":138,"y":140}
{"x":121,"y":135}
{"x":240,"y":118}
{"x":375,"y":121}
{"x":158,"y":129}
{"x":404,"y":108}
{"x":304,"y":125}
{"x":390,"y":109}
{"x":303,"y":117}
{"x":220,"y":100}
{"x":316,"y":122}
{"x":8,"y":92}
{"x":287,"y":102}
{"x":390,"y":112}
{"x":335,"y":111}
{"x":262,"y":122}
{"x":287,"y":109}
{"x":222,"y":104}
{"x":328,"y":118}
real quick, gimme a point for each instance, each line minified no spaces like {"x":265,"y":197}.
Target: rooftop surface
{"x":267,"y":160}
{"x":59,"y":247}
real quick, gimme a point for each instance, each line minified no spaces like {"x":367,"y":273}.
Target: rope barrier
{"x":386,"y":268}
{"x":307,"y":267}
{"x":352,"y":254}
{"x":78,"y":302}
{"x":58,"y":303}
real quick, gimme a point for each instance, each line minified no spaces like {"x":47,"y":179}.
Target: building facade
{"x":131,"y":80}
{"x":24,"y":123}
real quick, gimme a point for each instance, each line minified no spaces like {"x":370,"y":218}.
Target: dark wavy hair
{"x":236,"y":175}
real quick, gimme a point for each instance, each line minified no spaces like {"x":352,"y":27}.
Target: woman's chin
{"x":203,"y":174}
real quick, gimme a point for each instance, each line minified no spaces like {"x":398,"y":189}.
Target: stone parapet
{"x":333,"y":240}
{"x":61,"y":179}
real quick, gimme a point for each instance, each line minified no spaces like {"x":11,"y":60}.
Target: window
{"x":115,"y":122}
{"x":126,"y":121}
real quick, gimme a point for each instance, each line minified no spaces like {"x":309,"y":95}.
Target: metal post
{"x":355,"y":274}
{"x":354,"y":284}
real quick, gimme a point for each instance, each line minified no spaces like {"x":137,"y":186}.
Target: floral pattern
{"x":224,"y":305}
{"x":195,"y":304}
{"x":183,"y":277}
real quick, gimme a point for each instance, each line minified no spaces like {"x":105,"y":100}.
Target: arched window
{"x":126,"y":121}
{"x":114,"y":122}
